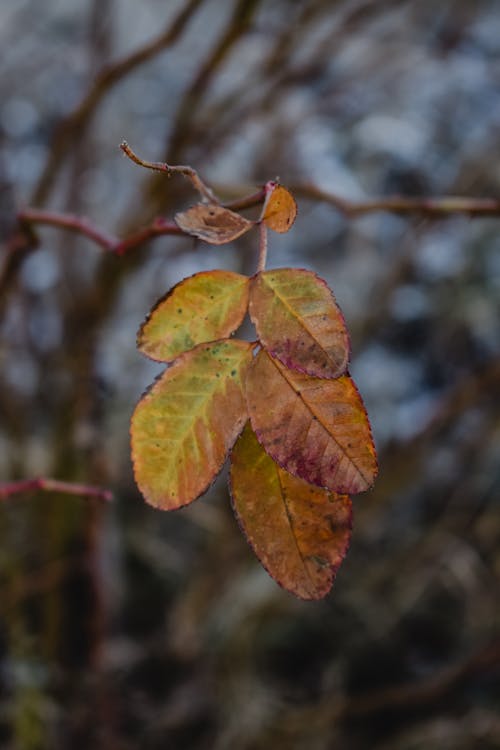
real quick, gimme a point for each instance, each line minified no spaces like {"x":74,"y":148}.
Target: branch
{"x":397,"y":204}
{"x":108,"y":77}
{"x":33,"y":216}
{"x":7,"y":489}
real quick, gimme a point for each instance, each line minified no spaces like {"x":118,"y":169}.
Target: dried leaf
{"x":299,"y":322}
{"x":316,"y":429}
{"x":213,"y":223}
{"x":207,"y":306}
{"x":299,"y":532}
{"x":280,"y":209}
{"x":183,"y":428}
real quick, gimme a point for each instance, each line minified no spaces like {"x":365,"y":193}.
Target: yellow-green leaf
{"x":207,"y":306}
{"x":183,"y":428}
{"x":280,"y":209}
{"x":316,"y":429}
{"x":299,"y":532}
{"x":213,"y":223}
{"x":299,"y":322}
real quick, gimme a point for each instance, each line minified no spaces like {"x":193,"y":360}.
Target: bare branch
{"x":159,"y":166}
{"x":7,"y":489}
{"x":77,"y":224}
{"x":30,"y":217}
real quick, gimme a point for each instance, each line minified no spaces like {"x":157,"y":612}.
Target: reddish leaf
{"x":299,"y":322}
{"x":280,"y":209}
{"x":316,"y":429}
{"x":205,"y":307}
{"x":213,"y":223}
{"x":184,"y":426}
{"x":299,"y":532}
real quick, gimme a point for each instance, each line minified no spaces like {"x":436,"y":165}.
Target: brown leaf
{"x":213,"y":223}
{"x":316,"y":429}
{"x":280,"y":209}
{"x":207,"y":306}
{"x":299,"y":322}
{"x":183,"y":428}
{"x":299,"y":532}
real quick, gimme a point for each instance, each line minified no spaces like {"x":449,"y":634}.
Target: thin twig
{"x":45,"y":484}
{"x":397,"y":204}
{"x":159,"y":166}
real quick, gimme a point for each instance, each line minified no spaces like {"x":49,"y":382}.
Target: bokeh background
{"x":125,"y":627}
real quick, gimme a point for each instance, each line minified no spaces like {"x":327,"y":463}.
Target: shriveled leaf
{"x":299,"y":532}
{"x":280,"y":209}
{"x":299,"y":322}
{"x":207,"y":306}
{"x":316,"y":429}
{"x":183,"y":428}
{"x":213,"y":223}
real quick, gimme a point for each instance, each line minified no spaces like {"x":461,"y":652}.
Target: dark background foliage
{"x":124,"y":627}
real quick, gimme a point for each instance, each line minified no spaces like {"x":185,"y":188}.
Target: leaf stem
{"x":158,"y":166}
{"x":262,"y":247}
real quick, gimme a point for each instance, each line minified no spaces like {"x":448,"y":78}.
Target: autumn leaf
{"x":207,"y":306}
{"x":299,"y":322}
{"x":316,"y":429}
{"x":183,"y":428}
{"x":213,"y":223}
{"x":280,"y":209}
{"x":299,"y":532}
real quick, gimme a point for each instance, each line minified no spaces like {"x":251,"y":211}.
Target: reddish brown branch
{"x":78,"y":224}
{"x":249,"y":201}
{"x":30,"y":217}
{"x":397,"y":204}
{"x":7,"y":489}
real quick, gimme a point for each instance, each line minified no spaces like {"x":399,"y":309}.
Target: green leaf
{"x":213,"y":223}
{"x":299,"y":532}
{"x":316,"y":429}
{"x":299,"y":322}
{"x":207,"y":306}
{"x":183,"y":428}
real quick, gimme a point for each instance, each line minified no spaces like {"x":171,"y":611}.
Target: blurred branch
{"x":238,"y":25}
{"x":108,"y":77}
{"x":397,"y":204}
{"x":7,"y":489}
{"x":426,"y":691}
{"x":430,"y":690}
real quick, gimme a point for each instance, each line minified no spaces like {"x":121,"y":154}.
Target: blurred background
{"x":125,"y":627}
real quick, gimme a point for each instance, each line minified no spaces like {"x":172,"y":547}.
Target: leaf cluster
{"x":283,"y":408}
